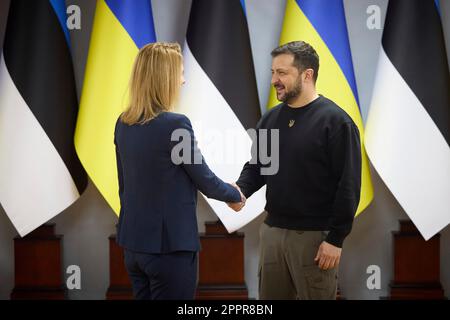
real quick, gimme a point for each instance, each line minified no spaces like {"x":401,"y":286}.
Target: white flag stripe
{"x":408,"y":150}
{"x":208,"y":111}
{"x":35,"y":184}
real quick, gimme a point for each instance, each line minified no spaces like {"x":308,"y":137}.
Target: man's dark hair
{"x":305,"y":57}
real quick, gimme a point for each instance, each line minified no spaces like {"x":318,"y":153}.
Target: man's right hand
{"x":237,"y":206}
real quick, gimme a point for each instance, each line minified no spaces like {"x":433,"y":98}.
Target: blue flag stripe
{"x":137,"y":19}
{"x":59,"y":7}
{"x":328,"y":18}
{"x":438,"y":8}
{"x":243,"y":7}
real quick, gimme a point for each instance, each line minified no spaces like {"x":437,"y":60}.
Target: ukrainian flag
{"x":120,"y":28}
{"x":321,"y":23}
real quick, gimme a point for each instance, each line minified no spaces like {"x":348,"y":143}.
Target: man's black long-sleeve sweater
{"x":317,"y":186}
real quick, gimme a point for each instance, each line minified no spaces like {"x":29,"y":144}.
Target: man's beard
{"x":292,"y":94}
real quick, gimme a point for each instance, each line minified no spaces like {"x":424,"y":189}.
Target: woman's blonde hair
{"x":154,"y":83}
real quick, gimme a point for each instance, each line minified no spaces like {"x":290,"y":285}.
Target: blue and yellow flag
{"x":321,"y":23}
{"x":120,"y":29}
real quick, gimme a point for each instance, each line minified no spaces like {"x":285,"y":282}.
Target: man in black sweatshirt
{"x":312,"y":199}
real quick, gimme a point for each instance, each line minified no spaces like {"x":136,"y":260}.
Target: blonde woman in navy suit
{"x":157,"y":224}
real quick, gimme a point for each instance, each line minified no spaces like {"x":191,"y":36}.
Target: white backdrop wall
{"x":87,"y":224}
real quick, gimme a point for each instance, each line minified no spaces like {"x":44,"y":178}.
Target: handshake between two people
{"x":237,"y":206}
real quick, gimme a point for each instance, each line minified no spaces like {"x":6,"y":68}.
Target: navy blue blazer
{"x":159,"y":197}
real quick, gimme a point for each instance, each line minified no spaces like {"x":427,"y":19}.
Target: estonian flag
{"x":220,"y":95}
{"x":407,"y":131}
{"x":40,"y":174}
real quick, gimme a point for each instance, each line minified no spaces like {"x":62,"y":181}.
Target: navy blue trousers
{"x":170,"y":276}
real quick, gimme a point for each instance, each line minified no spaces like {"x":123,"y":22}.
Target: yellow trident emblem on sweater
{"x":291,"y":123}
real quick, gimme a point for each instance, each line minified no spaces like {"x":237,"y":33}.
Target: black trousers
{"x":170,"y":276}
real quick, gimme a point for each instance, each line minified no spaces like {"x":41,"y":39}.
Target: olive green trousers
{"x":287,"y":269}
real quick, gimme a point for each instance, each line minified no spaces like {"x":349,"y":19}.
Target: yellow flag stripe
{"x":104,"y":96}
